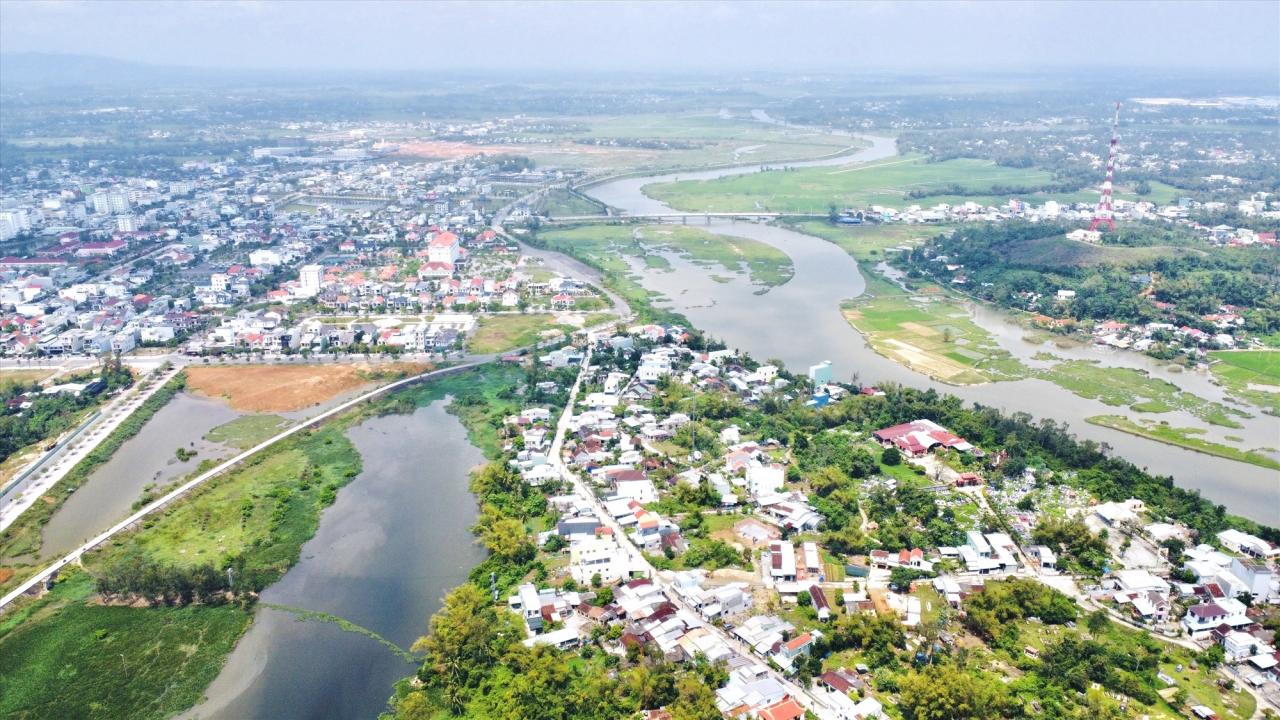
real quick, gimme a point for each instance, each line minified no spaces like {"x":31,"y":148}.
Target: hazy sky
{"x":644,"y":36}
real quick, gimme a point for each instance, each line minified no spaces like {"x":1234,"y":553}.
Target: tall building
{"x":127,"y":222}
{"x":309,"y":278}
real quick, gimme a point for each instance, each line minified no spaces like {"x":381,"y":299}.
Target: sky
{"x":651,"y":36}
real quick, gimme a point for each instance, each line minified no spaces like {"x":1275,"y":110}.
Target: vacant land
{"x":561,"y":202}
{"x":885,"y":182}
{"x":499,"y":333}
{"x":285,"y":388}
{"x":1251,"y":375}
{"x":1182,"y":437}
{"x":13,"y":378}
{"x":245,"y":432}
{"x":932,"y":334}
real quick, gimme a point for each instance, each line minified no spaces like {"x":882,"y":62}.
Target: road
{"x":195,"y":482}
{"x":801,"y":695}
{"x":56,"y":466}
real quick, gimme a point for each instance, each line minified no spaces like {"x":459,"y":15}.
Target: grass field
{"x":11,"y":378}
{"x":884,"y":182}
{"x":245,"y":432}
{"x":560,"y":202}
{"x":815,"y":189}
{"x":499,"y":333}
{"x":1182,"y":437}
{"x":930,"y":333}
{"x":651,"y":142}
{"x":1251,"y":375}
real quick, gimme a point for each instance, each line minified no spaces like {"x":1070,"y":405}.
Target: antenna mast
{"x":1105,"y":214}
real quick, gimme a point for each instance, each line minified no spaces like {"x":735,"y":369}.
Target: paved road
{"x":186,"y":487}
{"x":61,"y":461}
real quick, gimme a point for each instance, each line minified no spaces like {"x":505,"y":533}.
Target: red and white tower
{"x":1105,"y":214}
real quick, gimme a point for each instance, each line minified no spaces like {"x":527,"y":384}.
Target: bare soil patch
{"x":285,"y":388}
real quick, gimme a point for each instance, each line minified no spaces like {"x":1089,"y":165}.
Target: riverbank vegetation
{"x":20,"y":542}
{"x":246,"y":431}
{"x":607,"y":248}
{"x":1182,"y":437}
{"x":194,"y":569}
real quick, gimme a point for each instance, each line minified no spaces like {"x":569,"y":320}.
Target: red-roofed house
{"x":785,"y":709}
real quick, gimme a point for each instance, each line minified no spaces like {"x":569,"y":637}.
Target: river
{"x":393,"y":544}
{"x":800,"y":323}
{"x":107,"y":496}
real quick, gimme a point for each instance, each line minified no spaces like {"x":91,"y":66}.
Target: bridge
{"x":684,"y":218}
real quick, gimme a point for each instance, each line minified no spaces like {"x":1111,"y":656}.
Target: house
{"x":787,"y":652}
{"x":528,"y":604}
{"x":785,"y":709}
{"x":1204,"y":618}
{"x":820,"y":603}
{"x":1239,"y":646}
{"x":918,"y":437}
{"x":1256,"y":576}
{"x":782,"y":561}
{"x":1245,"y":543}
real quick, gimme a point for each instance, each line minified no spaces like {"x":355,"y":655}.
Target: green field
{"x":245,"y":432}
{"x":499,"y":333}
{"x":560,"y":202}
{"x":12,"y":378}
{"x":884,"y":182}
{"x":932,"y":334}
{"x":1182,"y":437}
{"x":816,"y":189}
{"x":1251,"y":375}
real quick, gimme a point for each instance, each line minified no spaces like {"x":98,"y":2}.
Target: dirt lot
{"x":284,"y":388}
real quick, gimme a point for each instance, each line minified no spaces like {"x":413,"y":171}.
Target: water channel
{"x":395,"y":542}
{"x":800,"y":323}
{"x":107,"y":496}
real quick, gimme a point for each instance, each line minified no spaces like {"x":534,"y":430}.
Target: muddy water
{"x":800,"y":323}
{"x":386,"y":552}
{"x":148,"y":457}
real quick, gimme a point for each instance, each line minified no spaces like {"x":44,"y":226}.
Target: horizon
{"x":697,"y":38}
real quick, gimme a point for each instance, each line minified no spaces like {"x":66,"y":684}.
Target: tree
{"x":891,"y":456}
{"x":948,"y":693}
{"x":466,"y":636}
{"x":695,"y":701}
